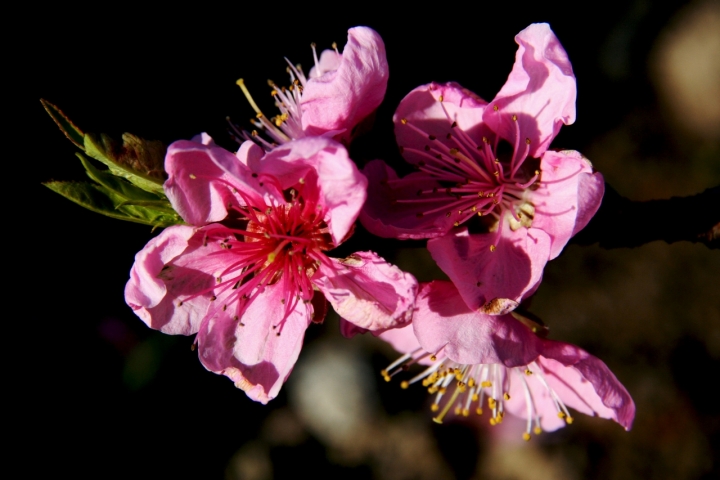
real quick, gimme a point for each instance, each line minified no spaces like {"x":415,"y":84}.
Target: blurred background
{"x":99,"y":395}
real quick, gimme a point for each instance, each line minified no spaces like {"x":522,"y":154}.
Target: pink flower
{"x":340,"y":91}
{"x":495,"y":202}
{"x":471,"y":356}
{"x":251,"y":272}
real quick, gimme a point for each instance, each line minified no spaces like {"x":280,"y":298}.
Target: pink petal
{"x":382,"y":215}
{"x":367,"y":291}
{"x":566,"y":181}
{"x":444,"y":323}
{"x":540,"y":91}
{"x":402,"y":339}
{"x":160,"y":275}
{"x":422,"y":109}
{"x":585,"y":383}
{"x":341,"y":98}
{"x":328,"y":62}
{"x":342,"y":187}
{"x":248,"y":350}
{"x":201,"y":179}
{"x":488,"y":266}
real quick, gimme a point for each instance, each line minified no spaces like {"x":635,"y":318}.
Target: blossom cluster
{"x":251,"y":264}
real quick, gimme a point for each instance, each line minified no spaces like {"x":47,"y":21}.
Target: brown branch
{"x":625,"y":223}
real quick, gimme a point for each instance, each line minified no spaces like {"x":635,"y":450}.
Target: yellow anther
{"x":435,"y":407}
{"x":387,"y":378}
{"x":458,"y":410}
{"x":475,"y":397}
{"x":485,"y":140}
{"x":471,"y":382}
{"x":271,"y":257}
{"x":486,"y":384}
{"x":492,"y":248}
{"x":465,"y":412}
{"x":433,"y":358}
{"x":454,"y":151}
{"x":527,"y":140}
{"x":193,"y":176}
{"x":569,"y":419}
{"x":442,"y":390}
{"x":440,"y":98}
{"x":456,"y":224}
{"x":479,"y":214}
{"x":474,"y":209}
{"x":432,"y":390}
{"x":383,"y":373}
{"x":528,"y":372}
{"x":491,"y":402}
{"x":561,"y":415}
{"x":495,"y":107}
{"x":506,"y":396}
{"x":493,"y":422}
{"x":514,"y":118}
{"x":404,"y":384}
{"x":537,"y":430}
{"x":526,"y":436}
{"x":403,"y":121}
{"x":479,"y":411}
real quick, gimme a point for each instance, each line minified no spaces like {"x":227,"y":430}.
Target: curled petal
{"x":248,"y":349}
{"x":540,"y":91}
{"x":340,"y":98}
{"x":568,"y":196}
{"x":160,"y":277}
{"x":367,"y":291}
{"x":490,"y":266}
{"x":581,"y":381}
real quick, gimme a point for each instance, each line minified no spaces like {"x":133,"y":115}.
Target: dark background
{"x":96,"y":394}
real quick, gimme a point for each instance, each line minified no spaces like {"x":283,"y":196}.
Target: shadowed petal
{"x":487,"y":266}
{"x":384,"y":216}
{"x":444,"y":323}
{"x":568,"y":196}
{"x":432,"y":109}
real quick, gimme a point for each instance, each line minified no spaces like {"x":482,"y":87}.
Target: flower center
{"x":476,"y":179}
{"x":463,"y":388}
{"x":270,"y":244}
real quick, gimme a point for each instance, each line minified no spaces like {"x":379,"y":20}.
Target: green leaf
{"x":100,"y":199}
{"x":71,"y":131}
{"x":119,"y":185}
{"x":139,"y":161}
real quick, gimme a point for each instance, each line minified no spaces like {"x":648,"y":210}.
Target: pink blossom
{"x":471,"y":356}
{"x":251,"y":272}
{"x":495,"y":203}
{"x":340,"y":91}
